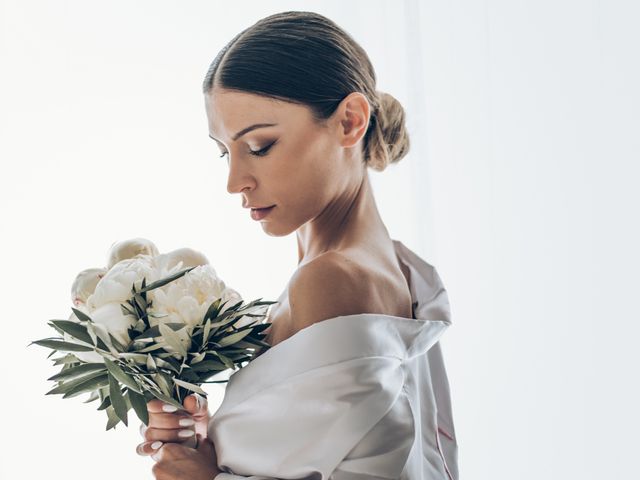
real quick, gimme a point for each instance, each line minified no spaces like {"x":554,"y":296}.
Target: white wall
{"x":519,"y":188}
{"x":533,"y":146}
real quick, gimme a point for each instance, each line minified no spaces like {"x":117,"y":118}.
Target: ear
{"x":353,"y":116}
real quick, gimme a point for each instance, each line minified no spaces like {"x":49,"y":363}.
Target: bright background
{"x":520,"y":188}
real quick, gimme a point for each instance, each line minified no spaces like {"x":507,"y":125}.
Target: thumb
{"x":196,"y":404}
{"x":205,"y":446}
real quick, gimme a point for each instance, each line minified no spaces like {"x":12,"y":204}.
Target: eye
{"x":258,"y":153}
{"x":262,"y":152}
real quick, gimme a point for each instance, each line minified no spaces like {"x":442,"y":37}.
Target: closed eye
{"x":258,"y":153}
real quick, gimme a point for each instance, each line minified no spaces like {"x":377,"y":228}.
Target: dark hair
{"x":305,"y":58}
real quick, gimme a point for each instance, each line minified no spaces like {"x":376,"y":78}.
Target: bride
{"x":354,"y":385}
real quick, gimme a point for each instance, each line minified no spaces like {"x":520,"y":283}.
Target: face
{"x":294,"y":163}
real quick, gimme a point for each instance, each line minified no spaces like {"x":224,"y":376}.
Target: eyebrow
{"x":247,"y":130}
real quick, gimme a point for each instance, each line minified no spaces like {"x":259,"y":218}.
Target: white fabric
{"x":354,"y":397}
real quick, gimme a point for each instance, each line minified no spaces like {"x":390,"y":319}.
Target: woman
{"x":353,"y":386}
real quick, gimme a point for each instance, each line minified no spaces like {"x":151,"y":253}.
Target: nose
{"x":239,"y":178}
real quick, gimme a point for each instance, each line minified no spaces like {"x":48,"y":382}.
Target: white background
{"x":520,"y":188}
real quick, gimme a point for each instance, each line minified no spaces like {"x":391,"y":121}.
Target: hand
{"x":164,"y":426}
{"x":177,"y":462}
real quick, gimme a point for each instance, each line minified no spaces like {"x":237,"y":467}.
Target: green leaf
{"x":79,"y":371}
{"x":63,"y":346}
{"x":227,"y":361}
{"x":88,"y":386}
{"x":117,"y":400}
{"x":105,"y":403}
{"x":151,"y":364}
{"x":213,"y":309}
{"x":68,"y":358}
{"x":139,"y":405}
{"x":137,"y":357}
{"x":209,"y":365}
{"x":126,"y":310}
{"x":74,"y":329}
{"x":99,"y":337}
{"x":151,"y":348}
{"x":140,"y":302}
{"x":81,"y":315}
{"x":121,"y":375}
{"x":206,"y":331}
{"x":140,"y":326}
{"x":113,"y":418}
{"x":167,"y":399}
{"x":93,"y":396}
{"x":197,"y":357}
{"x":65,"y":386}
{"x":189,"y":386}
{"x":233,"y":338}
{"x":173,"y":340}
{"x":164,"y":281}
{"x":155,"y":330}
{"x":162,"y":382}
{"x":117,"y":344}
{"x":227,"y":317}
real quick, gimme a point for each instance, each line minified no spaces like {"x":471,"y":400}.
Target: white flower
{"x":187,"y":299}
{"x":85,"y":284}
{"x":184,"y":300}
{"x":130,"y":249}
{"x":112,"y":290}
{"x":180,"y":259}
{"x":115,"y":286}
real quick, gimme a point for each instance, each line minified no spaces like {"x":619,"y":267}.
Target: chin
{"x":274,"y":230}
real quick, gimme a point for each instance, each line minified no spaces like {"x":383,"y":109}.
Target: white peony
{"x":187,"y":299}
{"x":115,"y":286}
{"x":85,"y":284}
{"x":180,"y":259}
{"x":184,"y":300}
{"x":114,"y":289}
{"x":130,"y":249}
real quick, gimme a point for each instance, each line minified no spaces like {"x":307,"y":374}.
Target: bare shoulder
{"x":329,"y":286}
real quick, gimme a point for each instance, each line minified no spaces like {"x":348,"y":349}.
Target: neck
{"x":352,"y":219}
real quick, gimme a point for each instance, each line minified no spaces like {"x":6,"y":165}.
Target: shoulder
{"x":328,"y":286}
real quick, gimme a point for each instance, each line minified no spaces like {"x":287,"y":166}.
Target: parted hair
{"x":305,"y":58}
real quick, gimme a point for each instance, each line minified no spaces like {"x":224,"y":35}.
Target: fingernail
{"x":169,"y":408}
{"x":186,"y":422}
{"x":156,"y":445}
{"x":186,"y":433}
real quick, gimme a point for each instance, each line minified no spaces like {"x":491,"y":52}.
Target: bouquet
{"x":151,"y":325}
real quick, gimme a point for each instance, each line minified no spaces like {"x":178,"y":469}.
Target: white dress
{"x":354,"y":397}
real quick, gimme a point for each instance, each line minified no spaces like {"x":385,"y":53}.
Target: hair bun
{"x":389,"y":138}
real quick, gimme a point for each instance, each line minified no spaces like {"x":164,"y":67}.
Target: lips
{"x":260,"y":213}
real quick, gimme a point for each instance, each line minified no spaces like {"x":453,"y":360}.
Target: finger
{"x":158,"y":406}
{"x":196,"y":405}
{"x":205,"y":446}
{"x":148,"y":448}
{"x":170,"y":420}
{"x":173,"y":435}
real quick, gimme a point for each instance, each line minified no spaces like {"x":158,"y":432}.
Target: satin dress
{"x":354,"y":397}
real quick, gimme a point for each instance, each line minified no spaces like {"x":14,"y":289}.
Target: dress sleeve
{"x":380,"y":455}
{"x":345,"y":421}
